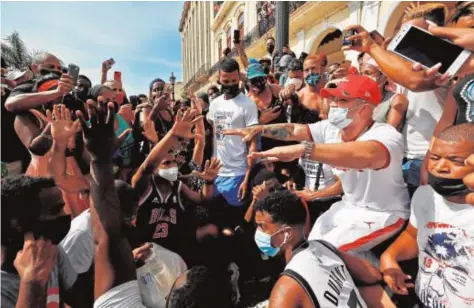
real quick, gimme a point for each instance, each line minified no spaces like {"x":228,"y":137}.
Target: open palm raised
{"x":211,"y":170}
{"x":184,"y":123}
{"x":62,"y":127}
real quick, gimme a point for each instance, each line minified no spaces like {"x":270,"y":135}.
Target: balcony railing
{"x":263,"y":26}
{"x":202,"y":72}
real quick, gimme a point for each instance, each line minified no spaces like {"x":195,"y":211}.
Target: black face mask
{"x":270,"y":49}
{"x":448,"y":187}
{"x":53,"y":230}
{"x":266,"y":69}
{"x":230,"y":90}
{"x":259,"y":83}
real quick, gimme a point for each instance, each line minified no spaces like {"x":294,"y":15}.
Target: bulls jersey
{"x":320,"y":270}
{"x":164,"y":220}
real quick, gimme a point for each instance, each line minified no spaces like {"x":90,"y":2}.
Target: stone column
{"x":282,"y":23}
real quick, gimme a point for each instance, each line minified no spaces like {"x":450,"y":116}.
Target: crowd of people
{"x":293,"y":182}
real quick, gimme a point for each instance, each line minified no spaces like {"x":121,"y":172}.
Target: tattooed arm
{"x":285,"y":131}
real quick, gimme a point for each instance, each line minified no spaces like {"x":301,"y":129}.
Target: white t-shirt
{"x":380,"y":190}
{"x":238,"y":112}
{"x":423,"y":113}
{"x":78,"y":243}
{"x":446,"y":250}
{"x":310,"y":168}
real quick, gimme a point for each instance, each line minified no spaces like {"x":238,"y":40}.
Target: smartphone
{"x":418,"y":45}
{"x":236,"y":36}
{"x":118,"y":76}
{"x":345,"y":35}
{"x":112,"y":61}
{"x":73,"y":70}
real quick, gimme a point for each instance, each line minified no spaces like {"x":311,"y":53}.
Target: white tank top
{"x":319,"y":268}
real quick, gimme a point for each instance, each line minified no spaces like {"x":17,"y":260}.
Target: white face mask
{"x":338,"y":117}
{"x":294,"y":81}
{"x":170,"y":174}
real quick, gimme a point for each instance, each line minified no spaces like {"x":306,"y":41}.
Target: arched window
{"x":229,"y":37}
{"x":241,"y":25}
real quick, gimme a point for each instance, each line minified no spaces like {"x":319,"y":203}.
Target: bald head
{"x":459,"y":133}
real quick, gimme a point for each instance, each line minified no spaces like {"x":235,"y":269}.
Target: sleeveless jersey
{"x":320,"y":270}
{"x":164,"y":221}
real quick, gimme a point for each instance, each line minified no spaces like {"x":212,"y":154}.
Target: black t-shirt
{"x":12,"y":148}
{"x":24,"y":88}
{"x":166,"y":222}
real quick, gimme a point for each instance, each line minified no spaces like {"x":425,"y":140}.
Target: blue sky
{"x":142,"y":37}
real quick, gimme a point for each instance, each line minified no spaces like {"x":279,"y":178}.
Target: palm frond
{"x":17,"y":51}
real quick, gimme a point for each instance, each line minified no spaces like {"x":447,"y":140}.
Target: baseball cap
{"x":355,"y":86}
{"x":15,"y":74}
{"x":255,"y":70}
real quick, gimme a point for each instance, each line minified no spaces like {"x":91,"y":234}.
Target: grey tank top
{"x":381,"y":111}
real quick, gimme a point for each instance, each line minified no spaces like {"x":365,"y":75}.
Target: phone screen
{"x":427,"y":49}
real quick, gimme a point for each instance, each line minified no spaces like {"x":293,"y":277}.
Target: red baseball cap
{"x":355,"y":86}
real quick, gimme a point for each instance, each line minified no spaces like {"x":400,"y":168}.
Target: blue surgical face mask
{"x":338,"y":117}
{"x":264,"y":243}
{"x":312,"y":79}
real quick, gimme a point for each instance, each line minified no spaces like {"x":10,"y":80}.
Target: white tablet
{"x":418,"y":45}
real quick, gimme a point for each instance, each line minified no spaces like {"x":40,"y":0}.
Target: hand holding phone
{"x":107,"y":64}
{"x":73,"y":71}
{"x":420,"y":46}
{"x":236,"y":36}
{"x":345,"y":38}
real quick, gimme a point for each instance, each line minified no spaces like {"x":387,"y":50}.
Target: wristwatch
{"x":308,"y":149}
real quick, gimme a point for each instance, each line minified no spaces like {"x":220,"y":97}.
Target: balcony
{"x":203,"y":73}
{"x":263,"y":26}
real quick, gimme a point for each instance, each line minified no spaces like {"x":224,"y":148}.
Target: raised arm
{"x":199,"y":134}
{"x":242,"y":55}
{"x":62,"y":130}
{"x":211,"y":169}
{"x":114,"y":263}
{"x":394,"y":66}
{"x":184,"y":122}
{"x":24,"y":102}
{"x":34,"y":263}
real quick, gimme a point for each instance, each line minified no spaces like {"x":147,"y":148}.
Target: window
{"x":219,"y":48}
{"x":229,"y":38}
{"x":241,"y":25}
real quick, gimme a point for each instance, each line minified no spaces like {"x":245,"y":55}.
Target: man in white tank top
{"x":316,"y":274}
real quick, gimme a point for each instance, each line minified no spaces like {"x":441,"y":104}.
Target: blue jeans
{"x":228,"y":187}
{"x":411,"y":174}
